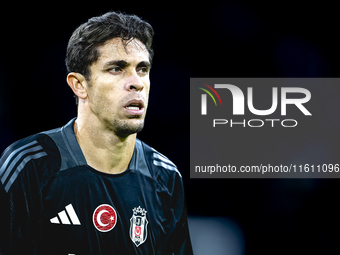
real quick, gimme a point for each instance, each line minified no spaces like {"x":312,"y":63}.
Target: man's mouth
{"x":135,"y":107}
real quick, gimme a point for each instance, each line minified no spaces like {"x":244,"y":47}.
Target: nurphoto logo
{"x":238,"y":104}
{"x":264,"y":127}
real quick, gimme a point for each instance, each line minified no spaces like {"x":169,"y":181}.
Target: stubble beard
{"x":123,"y":128}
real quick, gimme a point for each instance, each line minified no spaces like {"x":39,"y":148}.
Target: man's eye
{"x":143,"y":70}
{"x":115,"y":69}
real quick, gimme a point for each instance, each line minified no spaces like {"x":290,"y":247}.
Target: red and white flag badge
{"x":104,"y":218}
{"x":138,"y":227}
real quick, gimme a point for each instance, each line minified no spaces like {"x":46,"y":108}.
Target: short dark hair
{"x":82,"y":49}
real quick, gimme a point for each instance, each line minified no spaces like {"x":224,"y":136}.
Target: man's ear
{"x":78,"y":84}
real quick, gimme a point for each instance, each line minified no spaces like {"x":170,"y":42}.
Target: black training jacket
{"x":52,"y":202}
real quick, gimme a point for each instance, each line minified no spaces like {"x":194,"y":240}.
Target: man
{"x":91,"y":187}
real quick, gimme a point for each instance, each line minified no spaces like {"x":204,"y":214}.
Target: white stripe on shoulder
{"x":17,"y":159}
{"x":163,"y":161}
{"x":163,"y":158}
{"x":159,"y":153}
{"x":166,"y":166}
{"x":20,"y":167}
{"x":9,"y":158}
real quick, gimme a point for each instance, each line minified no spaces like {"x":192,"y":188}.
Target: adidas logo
{"x":66,"y":217}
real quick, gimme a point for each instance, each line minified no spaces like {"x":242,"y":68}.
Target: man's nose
{"x":134,"y":82}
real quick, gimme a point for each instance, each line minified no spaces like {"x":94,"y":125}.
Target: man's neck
{"x":102,"y":148}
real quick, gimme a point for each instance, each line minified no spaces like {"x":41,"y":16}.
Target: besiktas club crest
{"x":138,"y":226}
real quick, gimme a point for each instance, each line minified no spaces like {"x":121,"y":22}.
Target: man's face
{"x":118,"y":89}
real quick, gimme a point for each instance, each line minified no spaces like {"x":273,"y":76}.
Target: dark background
{"x":198,"y":39}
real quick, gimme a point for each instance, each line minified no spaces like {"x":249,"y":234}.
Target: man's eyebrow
{"x":144,"y":64}
{"x":123,"y":64}
{"x":119,"y":63}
